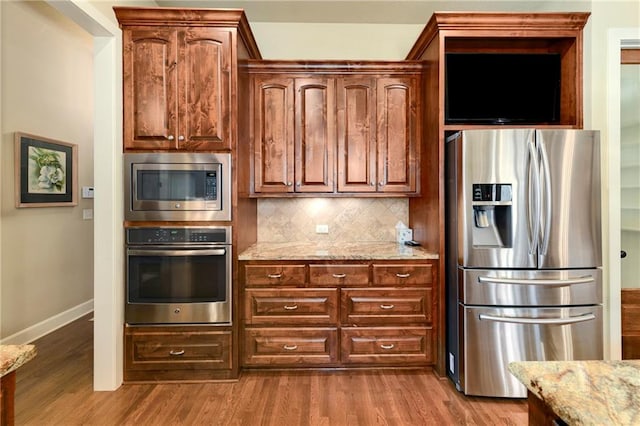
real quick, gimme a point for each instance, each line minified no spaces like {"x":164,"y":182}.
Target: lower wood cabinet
{"x":178,"y":353}
{"x":353,"y":314}
{"x":290,"y":347}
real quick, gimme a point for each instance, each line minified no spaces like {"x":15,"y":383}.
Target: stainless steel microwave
{"x":177,"y":186}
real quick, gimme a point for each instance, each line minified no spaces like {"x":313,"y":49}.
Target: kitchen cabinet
{"x":180,"y":77}
{"x":352,"y":313}
{"x":176,"y":88}
{"x":377,"y":134}
{"x":335,"y":129}
{"x":177,"y":353}
{"x":294,"y":134}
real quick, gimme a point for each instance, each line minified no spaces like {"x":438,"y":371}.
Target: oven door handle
{"x":201,"y":252}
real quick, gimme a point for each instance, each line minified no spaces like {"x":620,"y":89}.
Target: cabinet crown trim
{"x":517,"y":22}
{"x":155,"y":16}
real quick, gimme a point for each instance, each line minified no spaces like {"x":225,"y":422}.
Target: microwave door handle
{"x":542,"y":321}
{"x":206,"y":252}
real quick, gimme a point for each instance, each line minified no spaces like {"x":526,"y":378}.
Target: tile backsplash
{"x":348,"y":219}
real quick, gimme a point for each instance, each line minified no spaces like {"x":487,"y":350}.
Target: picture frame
{"x":46,"y":172}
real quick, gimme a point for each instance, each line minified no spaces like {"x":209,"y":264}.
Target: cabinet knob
{"x":298,"y":184}
{"x":372,"y":183}
{"x":290,"y":347}
{"x":170,"y":137}
{"x":289,"y":184}
{"x":387,"y":347}
{"x":387,"y":306}
{"x":180,"y":138}
{"x":381,"y":183}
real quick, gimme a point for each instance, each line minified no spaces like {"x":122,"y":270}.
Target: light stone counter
{"x":585,"y":392}
{"x":335,"y":251}
{"x":13,"y":357}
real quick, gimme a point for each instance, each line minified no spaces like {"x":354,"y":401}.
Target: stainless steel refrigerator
{"x":523,"y":253}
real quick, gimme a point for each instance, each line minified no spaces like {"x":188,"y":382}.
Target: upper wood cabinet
{"x":294,"y":134}
{"x":354,"y":124}
{"x":180,"y":77}
{"x":377,"y":133}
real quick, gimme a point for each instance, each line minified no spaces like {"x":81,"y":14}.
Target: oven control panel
{"x":179,"y":235}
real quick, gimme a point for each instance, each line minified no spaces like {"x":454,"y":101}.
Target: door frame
{"x":618,"y":38}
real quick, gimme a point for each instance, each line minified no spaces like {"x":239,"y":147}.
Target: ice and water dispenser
{"x":492,"y":215}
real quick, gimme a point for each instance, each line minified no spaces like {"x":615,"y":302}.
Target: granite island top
{"x":585,"y":392}
{"x":13,"y":357}
{"x":335,"y":251}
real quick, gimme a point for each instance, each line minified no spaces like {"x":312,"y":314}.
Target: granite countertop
{"x":585,"y":392}
{"x":13,"y":357}
{"x":335,"y":251}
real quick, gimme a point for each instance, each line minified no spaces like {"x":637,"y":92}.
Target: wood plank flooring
{"x":56,"y":388}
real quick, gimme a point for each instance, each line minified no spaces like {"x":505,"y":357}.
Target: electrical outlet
{"x":322,"y":229}
{"x":87,"y":214}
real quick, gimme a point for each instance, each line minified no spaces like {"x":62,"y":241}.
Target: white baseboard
{"x":45,"y":327}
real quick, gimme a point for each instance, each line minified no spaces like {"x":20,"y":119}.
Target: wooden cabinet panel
{"x":149,"y":87}
{"x":399,"y":275}
{"x":273,"y":134}
{"x":344,"y":275}
{"x":177,"y":88}
{"x":291,"y":346}
{"x":397,"y":132}
{"x":291,"y":306}
{"x":314,"y":134}
{"x":356,"y":117}
{"x":176,"y":348}
{"x":389,"y":306}
{"x":275,"y":275}
{"x":205,"y":89}
{"x":378,"y":345}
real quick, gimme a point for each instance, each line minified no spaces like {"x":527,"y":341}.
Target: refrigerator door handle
{"x":546,"y":174}
{"x":542,"y":321}
{"x":570,"y":281}
{"x":534,"y":196}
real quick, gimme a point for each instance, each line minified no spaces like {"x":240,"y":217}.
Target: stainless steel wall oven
{"x":178,"y":275}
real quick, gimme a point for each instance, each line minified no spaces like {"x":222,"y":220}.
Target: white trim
{"x":49,"y":325}
{"x":617,"y":38}
{"x":108,"y":238}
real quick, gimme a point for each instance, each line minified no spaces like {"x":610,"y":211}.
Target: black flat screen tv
{"x":502,"y":88}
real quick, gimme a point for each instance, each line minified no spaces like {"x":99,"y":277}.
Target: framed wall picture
{"x":46,"y":172}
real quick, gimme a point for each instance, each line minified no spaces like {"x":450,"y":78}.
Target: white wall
{"x":47,"y":253}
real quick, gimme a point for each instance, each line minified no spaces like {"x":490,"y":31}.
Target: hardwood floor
{"x":56,"y":389}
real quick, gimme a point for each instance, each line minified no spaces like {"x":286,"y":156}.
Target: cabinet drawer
{"x":290,"y":346}
{"x":399,"y":306}
{"x":151,"y":349}
{"x":347,"y":275}
{"x":401,"y":346}
{"x":291,"y":306}
{"x":274,"y":275}
{"x":399,"y":275}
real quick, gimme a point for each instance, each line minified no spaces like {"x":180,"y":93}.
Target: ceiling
{"x":370,"y":11}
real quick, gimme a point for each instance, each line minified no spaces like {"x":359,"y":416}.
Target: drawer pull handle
{"x":274,"y":275}
{"x":290,"y":347}
{"x":403,"y":275}
{"x":176,"y":353}
{"x":291,"y":307}
{"x":387,"y":306}
{"x":387,"y":347}
{"x":339,"y":275}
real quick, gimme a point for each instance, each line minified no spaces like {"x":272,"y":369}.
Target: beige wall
{"x":47,"y":253}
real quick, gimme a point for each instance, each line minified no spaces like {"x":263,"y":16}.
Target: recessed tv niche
{"x":502,"y":88}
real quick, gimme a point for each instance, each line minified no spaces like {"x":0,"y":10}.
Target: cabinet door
{"x":397,"y":133}
{"x":273,"y":134}
{"x":356,"y":134}
{"x":314,"y":134}
{"x":150,"y":87}
{"x":204,"y":89}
